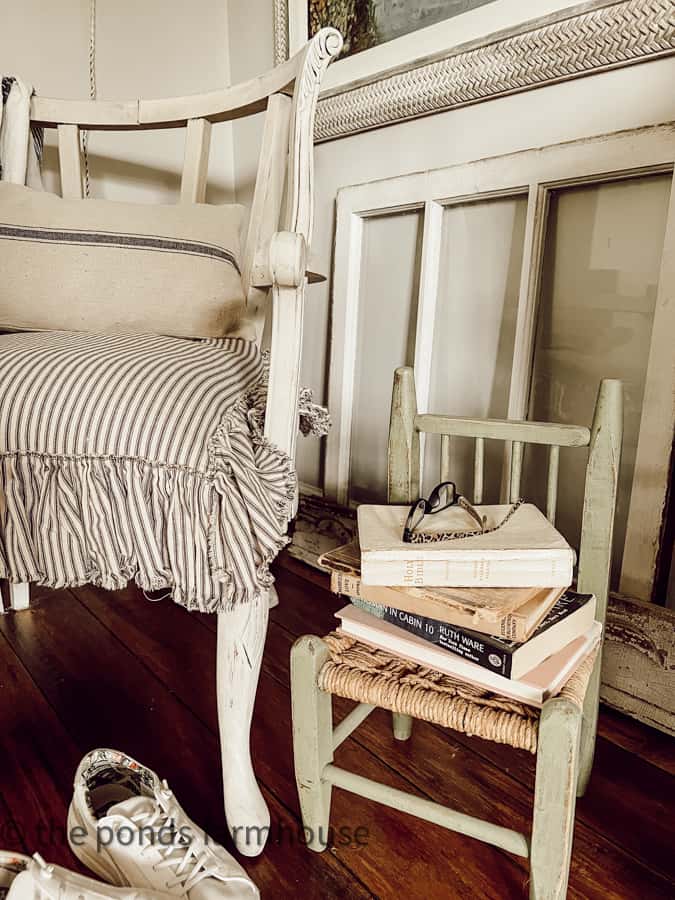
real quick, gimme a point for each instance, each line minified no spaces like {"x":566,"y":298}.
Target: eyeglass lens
{"x":417,"y":514}
{"x":442,"y":496}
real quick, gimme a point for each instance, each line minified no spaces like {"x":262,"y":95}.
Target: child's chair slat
{"x":478,"y":469}
{"x":445,"y":457}
{"x":196,"y":162}
{"x":70,"y":162}
{"x":505,"y":430}
{"x":552,"y":482}
{"x":516,"y":470}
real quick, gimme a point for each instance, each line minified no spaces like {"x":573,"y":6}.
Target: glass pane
{"x":386,"y":339}
{"x":482,"y":254}
{"x":598,"y":291}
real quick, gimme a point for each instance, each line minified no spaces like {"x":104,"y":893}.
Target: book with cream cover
{"x":509,"y":613}
{"x":571,"y":617}
{"x":533,"y":688}
{"x":527,"y":551}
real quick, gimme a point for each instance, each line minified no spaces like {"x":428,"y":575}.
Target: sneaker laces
{"x":186,"y":856}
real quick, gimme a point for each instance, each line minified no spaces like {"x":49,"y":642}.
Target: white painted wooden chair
{"x":274,"y":263}
{"x":563,"y":736}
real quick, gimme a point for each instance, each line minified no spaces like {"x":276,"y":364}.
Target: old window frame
{"x":534,"y":174}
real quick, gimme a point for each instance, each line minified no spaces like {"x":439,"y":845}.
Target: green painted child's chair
{"x":562,"y":733}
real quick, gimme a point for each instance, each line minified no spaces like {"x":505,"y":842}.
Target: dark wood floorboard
{"x":93,"y":668}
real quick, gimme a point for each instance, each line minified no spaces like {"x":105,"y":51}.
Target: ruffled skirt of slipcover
{"x":208,"y":532}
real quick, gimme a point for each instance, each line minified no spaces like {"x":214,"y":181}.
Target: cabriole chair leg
{"x":312,"y":737}
{"x":554,"y":799}
{"x":241,"y":638}
{"x":402,"y":726}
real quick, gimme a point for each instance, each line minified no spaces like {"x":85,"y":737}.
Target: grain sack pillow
{"x":96,"y":265}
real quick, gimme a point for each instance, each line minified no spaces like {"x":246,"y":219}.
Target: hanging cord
{"x":92,"y":90}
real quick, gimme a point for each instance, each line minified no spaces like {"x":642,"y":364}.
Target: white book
{"x":527,"y":551}
{"x":533,"y":688}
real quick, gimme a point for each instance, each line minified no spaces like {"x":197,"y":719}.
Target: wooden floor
{"x":90,"y":668}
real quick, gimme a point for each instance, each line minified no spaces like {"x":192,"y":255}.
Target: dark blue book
{"x":570,"y":617}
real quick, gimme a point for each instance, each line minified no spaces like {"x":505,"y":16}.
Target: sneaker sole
{"x":96,"y":862}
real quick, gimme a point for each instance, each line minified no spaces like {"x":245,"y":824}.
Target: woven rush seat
{"x":362,"y":673}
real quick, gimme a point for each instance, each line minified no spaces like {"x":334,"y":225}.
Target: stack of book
{"x":494,"y":609}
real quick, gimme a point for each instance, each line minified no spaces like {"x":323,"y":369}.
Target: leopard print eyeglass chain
{"x":432,"y":537}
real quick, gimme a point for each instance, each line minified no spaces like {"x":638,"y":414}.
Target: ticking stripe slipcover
{"x":139,"y":457}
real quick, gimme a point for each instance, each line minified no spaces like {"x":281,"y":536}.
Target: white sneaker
{"x":127,"y":826}
{"x":23,"y":878}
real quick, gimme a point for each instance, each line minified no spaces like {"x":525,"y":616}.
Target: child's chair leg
{"x":402,"y":725}
{"x":312,"y":737}
{"x":589,"y":726}
{"x":554,"y":799}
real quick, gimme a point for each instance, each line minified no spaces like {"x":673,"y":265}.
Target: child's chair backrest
{"x":603,"y":440}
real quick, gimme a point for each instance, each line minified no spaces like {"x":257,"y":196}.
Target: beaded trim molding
{"x":581,"y":40}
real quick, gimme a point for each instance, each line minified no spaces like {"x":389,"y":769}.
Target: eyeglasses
{"x":443,"y":496}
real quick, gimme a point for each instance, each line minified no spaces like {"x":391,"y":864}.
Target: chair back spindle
{"x":445,"y":458}
{"x":552,"y":482}
{"x":70,"y":161}
{"x":478,"y":469}
{"x":516,"y":470}
{"x":196,"y":161}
